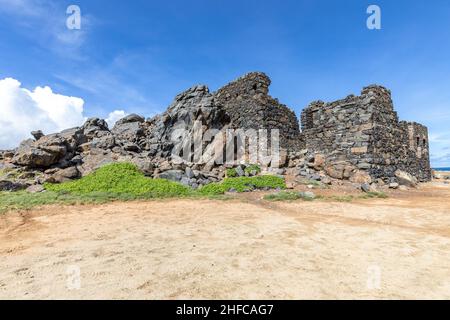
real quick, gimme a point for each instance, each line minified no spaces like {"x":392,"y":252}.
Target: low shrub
{"x":121,"y":178}
{"x":289,"y":196}
{"x":243,"y":184}
{"x":374,"y":194}
{"x":231,"y":173}
{"x":251,"y":168}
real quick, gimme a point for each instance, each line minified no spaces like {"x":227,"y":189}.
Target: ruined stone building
{"x":358,"y":132}
{"x":364,"y":131}
{"x":355,"y":136}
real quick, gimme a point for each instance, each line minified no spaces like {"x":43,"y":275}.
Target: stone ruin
{"x":364,"y":132}
{"x":359,"y":139}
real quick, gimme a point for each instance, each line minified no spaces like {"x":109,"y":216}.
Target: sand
{"x":246,"y":248}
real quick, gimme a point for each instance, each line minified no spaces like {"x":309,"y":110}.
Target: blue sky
{"x":137,"y":55}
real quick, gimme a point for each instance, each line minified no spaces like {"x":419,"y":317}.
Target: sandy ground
{"x":243,"y":248}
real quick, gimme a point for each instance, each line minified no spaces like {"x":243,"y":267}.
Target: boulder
{"x":37,"y":134}
{"x":360,"y":176}
{"x":319,"y":161}
{"x":64,"y":175}
{"x":307,"y":195}
{"x":129,"y":146}
{"x":6,"y":185}
{"x":94,"y":127}
{"x":240,"y":172}
{"x":173,"y":175}
{"x":128,"y":132}
{"x":339,"y":170}
{"x":437,"y":176}
{"x":189,"y":173}
{"x":326,"y":180}
{"x":33,"y":154}
{"x":394,"y":185}
{"x":406,"y":179}
{"x":185,"y":181}
{"x":365,"y":187}
{"x":104,"y":142}
{"x":95,"y":159}
{"x":145,"y":165}
{"x":35,"y":188}
{"x":49,"y":149}
{"x":130,"y":118}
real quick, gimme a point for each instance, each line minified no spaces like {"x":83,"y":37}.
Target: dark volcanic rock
{"x":176,"y":125}
{"x":6,"y":185}
{"x":37,"y":134}
{"x":32,"y":154}
{"x":174,"y":175}
{"x":48,"y":150}
{"x":64,"y":175}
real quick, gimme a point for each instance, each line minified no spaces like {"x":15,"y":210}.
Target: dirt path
{"x":245,"y":248}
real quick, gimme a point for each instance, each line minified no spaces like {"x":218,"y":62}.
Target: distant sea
{"x":442,"y":169}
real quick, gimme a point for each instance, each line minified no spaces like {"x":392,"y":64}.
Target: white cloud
{"x":23,"y":111}
{"x":114,"y":116}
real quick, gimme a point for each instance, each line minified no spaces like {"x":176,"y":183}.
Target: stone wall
{"x":364,"y":133}
{"x":416,"y":159}
{"x":249,"y":106}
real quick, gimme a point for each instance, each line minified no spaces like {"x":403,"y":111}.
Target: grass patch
{"x":342,"y":198}
{"x":253,"y":167}
{"x":314,"y":183}
{"x":22,"y":200}
{"x":231,"y":173}
{"x":124,"y":182}
{"x":368,"y":195}
{"x":288,"y":196}
{"x":121,"y":178}
{"x":243,"y":184}
{"x":374,"y":194}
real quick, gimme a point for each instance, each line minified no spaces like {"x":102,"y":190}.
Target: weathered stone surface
{"x":174,"y":175}
{"x":339,"y":170}
{"x":64,"y":175}
{"x":394,"y":185}
{"x":240,"y":172}
{"x":361,"y":177}
{"x":32,"y":154}
{"x":94,"y":127}
{"x":37,"y":134}
{"x":130,"y":118}
{"x":319,"y":161}
{"x":36,"y":188}
{"x":366,"y":187}
{"x":365,"y":131}
{"x":189,"y":173}
{"x":405,"y":179}
{"x":307,"y":195}
{"x":94,"y":160}
{"x":249,"y":106}
{"x":145,"y":165}
{"x":129,"y":132}
{"x":6,"y":185}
